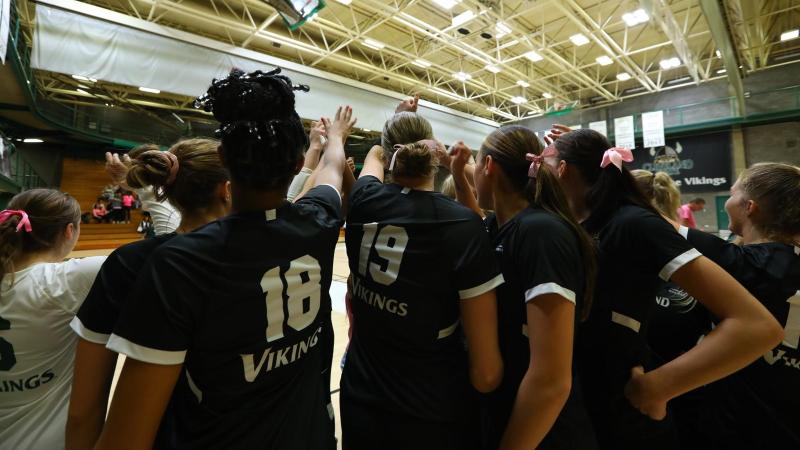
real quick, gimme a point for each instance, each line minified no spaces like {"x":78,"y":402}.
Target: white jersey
{"x":166,"y":218}
{"x":37,"y":350}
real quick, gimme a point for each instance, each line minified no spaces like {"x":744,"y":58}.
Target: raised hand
{"x":556,"y":133}
{"x":341,"y":125}
{"x":351,"y":164}
{"x":409,"y":104}
{"x":317,"y":133}
{"x":459,"y":157}
{"x":116,"y":168}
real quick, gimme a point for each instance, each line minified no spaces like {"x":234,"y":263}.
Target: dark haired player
{"x":235,"y":309}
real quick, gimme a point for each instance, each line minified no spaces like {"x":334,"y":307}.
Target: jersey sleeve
{"x":324,"y":203}
{"x":78,"y":275}
{"x":658,"y":243}
{"x":547,"y":259}
{"x":362,"y":188}
{"x":98,"y":314}
{"x":156,"y":323}
{"x":731,"y":257}
{"x":475,"y":268}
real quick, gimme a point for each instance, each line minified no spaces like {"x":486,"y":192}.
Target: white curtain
{"x":75,"y":44}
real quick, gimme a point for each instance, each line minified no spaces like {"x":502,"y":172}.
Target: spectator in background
{"x":686,"y":212}
{"x":127,"y":204}
{"x":115,"y":205}
{"x":146,"y":226}
{"x":99,"y":212}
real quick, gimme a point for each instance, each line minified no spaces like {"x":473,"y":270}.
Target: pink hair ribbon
{"x":24,"y":221}
{"x":616,"y":156}
{"x":537,"y":160}
{"x":173,"y":167}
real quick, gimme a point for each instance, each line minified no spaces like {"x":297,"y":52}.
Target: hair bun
{"x":256,"y":96}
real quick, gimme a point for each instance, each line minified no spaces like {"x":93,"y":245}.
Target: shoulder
{"x":632,"y":217}
{"x":138,"y":248}
{"x":542,"y":223}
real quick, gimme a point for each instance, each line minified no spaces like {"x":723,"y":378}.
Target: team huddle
{"x":522,"y":314}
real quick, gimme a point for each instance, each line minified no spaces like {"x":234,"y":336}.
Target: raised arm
{"x":462,"y":171}
{"x":374,"y":163}
{"x":746,"y":331}
{"x":332,"y":165}
{"x":312,"y":156}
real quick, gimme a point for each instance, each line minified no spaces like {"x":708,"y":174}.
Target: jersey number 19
{"x":390,"y":245}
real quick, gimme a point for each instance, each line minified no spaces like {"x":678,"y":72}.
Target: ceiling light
{"x":83,"y":78}
{"x":670,"y":63}
{"x":533,"y":56}
{"x":523,"y":83}
{"x":81,"y":91}
{"x":462,"y":76}
{"x":547,"y":95}
{"x":501,"y":29}
{"x":345,"y":2}
{"x":719,"y":54}
{"x":447,"y":4}
{"x":446,"y":93}
{"x":623,"y":76}
{"x":150,"y":90}
{"x":421,"y":63}
{"x":463,"y":18}
{"x":789,"y":35}
{"x":530,"y":113}
{"x":635,"y":18}
{"x":372,"y":43}
{"x":501,"y":113}
{"x":32,"y":141}
{"x":678,"y":80}
{"x":604,"y":60}
{"x":492,"y":68}
{"x":721,"y":71}
{"x":365,"y":130}
{"x":579,"y":39}
{"x":519,"y":100}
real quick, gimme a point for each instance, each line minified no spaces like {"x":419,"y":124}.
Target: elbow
{"x":487,"y":379}
{"x":773,"y":331}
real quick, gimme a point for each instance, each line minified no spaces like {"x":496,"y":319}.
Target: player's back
{"x":413,"y":256}
{"x":246,"y":299}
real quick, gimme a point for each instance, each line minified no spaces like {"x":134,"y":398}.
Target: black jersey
{"x":242,"y":303}
{"x":413,"y":255}
{"x":759,"y":406}
{"x":637,"y":251}
{"x":677,"y":324}
{"x":539,"y":254}
{"x":99,"y":312}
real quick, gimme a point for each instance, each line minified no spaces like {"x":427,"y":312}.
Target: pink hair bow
{"x":616,"y":156}
{"x":24,"y":221}
{"x":536,"y":163}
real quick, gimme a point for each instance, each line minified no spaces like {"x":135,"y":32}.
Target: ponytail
{"x":509,"y":147}
{"x":35,"y":221}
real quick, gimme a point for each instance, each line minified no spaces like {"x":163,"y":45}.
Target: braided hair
{"x":262,"y":136}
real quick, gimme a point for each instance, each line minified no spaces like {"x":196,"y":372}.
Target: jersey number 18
{"x":302,"y":283}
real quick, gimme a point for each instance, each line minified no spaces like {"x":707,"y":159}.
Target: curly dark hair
{"x":262,"y":136}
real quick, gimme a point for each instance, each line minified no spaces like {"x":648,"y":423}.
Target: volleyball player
{"x":625,"y":395}
{"x":548,"y":264}
{"x":235,"y":309}
{"x":423,"y":273}
{"x":758,"y":407}
{"x":40,"y":293}
{"x":191,"y":177}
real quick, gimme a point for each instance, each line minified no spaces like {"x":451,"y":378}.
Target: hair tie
{"x":173,"y":167}
{"x":24,"y":221}
{"x":616,"y":155}
{"x":536,"y":163}
{"x":432,"y":144}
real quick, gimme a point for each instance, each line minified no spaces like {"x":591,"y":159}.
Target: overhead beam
{"x":660,"y":12}
{"x":715,"y":17}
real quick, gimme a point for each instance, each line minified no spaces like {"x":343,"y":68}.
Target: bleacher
{"x":84,"y":179}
